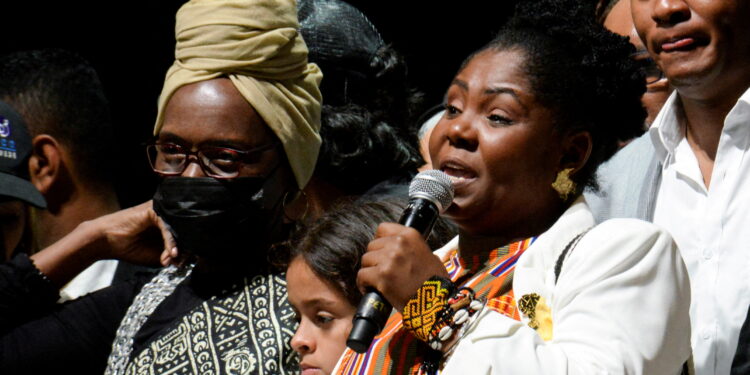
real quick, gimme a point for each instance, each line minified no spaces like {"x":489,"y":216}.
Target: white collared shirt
{"x":97,"y":276}
{"x":711,"y":227}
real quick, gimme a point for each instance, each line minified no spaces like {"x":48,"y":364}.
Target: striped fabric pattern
{"x":397,"y":351}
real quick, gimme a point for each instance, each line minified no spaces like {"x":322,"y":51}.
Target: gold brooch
{"x":535,"y":308}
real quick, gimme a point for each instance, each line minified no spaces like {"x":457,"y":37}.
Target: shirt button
{"x":706,"y":334}
{"x":707,"y":254}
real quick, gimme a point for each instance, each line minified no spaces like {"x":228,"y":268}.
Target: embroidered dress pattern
{"x":248,"y":330}
{"x":397,"y":351}
{"x":144,"y":304}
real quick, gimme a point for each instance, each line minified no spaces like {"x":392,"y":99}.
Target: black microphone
{"x":430,"y":193}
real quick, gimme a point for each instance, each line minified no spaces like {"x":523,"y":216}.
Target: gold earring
{"x":563,"y":185}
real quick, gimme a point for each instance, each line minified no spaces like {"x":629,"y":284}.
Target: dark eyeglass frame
{"x":153,"y":150}
{"x":648,"y":66}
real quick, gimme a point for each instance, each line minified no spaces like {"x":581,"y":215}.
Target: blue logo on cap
{"x":7,"y":146}
{"x":4,"y":127}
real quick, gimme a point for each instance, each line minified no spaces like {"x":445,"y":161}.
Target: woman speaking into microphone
{"x":531,"y":285}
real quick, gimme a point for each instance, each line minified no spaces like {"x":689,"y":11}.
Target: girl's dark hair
{"x":579,"y":70}
{"x":333,"y":245}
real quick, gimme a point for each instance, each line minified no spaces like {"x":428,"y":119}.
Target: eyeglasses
{"x":648,"y":66}
{"x":171,"y":159}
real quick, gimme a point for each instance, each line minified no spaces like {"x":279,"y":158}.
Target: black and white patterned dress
{"x":245,"y":328}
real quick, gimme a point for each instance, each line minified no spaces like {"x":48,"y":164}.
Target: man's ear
{"x":576,"y":150}
{"x":45,"y":162}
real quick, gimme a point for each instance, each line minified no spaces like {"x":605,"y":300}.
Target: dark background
{"x":131,"y":45}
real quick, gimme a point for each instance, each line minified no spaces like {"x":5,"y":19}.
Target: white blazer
{"x":620,"y":305}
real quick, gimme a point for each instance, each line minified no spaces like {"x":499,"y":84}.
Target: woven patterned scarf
{"x":397,"y":351}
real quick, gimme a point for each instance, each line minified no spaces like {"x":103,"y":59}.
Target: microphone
{"x":430,"y":193}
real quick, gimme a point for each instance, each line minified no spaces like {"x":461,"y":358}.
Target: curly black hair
{"x":579,"y":70}
{"x":368,"y":136}
{"x":59,"y":93}
{"x":368,"y":104}
{"x":333,"y":245}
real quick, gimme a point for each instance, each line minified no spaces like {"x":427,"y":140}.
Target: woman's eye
{"x":170,"y":149}
{"x":500,"y":120}
{"x":451,"y":110}
{"x":222,"y":156}
{"x":322,"y":318}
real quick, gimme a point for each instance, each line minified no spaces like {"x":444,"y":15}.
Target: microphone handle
{"x":373,"y":310}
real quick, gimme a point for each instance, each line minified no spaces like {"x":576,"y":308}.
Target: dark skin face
{"x":701,"y":45}
{"x":502,"y":149}
{"x":214,"y":113}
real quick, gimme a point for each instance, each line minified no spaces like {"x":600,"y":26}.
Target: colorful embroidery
{"x":397,"y":351}
{"x":423,"y":310}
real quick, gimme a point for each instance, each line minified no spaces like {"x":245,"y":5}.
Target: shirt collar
{"x":737,"y":122}
{"x":666,"y":131}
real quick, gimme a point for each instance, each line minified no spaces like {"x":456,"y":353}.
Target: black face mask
{"x":212,"y":218}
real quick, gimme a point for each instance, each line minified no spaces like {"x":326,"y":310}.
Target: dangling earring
{"x":285,"y":202}
{"x":563,"y":185}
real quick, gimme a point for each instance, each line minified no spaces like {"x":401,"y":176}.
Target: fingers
{"x":394,"y":229}
{"x":366,"y":278}
{"x":170,"y":256}
{"x":170,"y":253}
{"x":397,"y":262}
{"x":170,"y":245}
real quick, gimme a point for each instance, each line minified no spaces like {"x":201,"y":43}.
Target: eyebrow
{"x":490,"y":91}
{"x":460,"y":84}
{"x":170,"y":137}
{"x":502,"y":90}
{"x":320,"y":302}
{"x":497,"y":90}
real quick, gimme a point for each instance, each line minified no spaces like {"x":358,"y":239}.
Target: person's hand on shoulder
{"x":135,"y":235}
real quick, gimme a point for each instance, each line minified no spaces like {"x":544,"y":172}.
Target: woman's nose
{"x":461,"y":133}
{"x":302,"y":342}
{"x":670,"y":12}
{"x":193,"y":168}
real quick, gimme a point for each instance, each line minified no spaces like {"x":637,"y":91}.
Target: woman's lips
{"x":458,"y":174}
{"x":309,"y":370}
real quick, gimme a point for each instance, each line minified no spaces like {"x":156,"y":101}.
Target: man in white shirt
{"x":690,"y":173}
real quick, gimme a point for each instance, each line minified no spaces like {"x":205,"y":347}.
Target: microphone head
{"x":434,"y":186}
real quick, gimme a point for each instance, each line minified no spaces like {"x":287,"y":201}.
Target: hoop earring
{"x":285,"y":202}
{"x":563,"y":185}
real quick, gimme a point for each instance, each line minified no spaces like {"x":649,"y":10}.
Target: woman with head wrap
{"x":531,"y":285}
{"x":236,"y":139}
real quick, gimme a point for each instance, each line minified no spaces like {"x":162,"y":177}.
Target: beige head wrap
{"x":256,"y":44}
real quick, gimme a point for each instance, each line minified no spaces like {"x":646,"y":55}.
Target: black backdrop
{"x":131,"y":46}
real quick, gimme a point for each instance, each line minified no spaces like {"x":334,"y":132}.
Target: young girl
{"x":322,"y":276}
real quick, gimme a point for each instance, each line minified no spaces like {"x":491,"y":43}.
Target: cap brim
{"x":16,"y":187}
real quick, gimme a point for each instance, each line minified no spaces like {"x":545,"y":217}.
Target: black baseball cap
{"x":15,"y":149}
